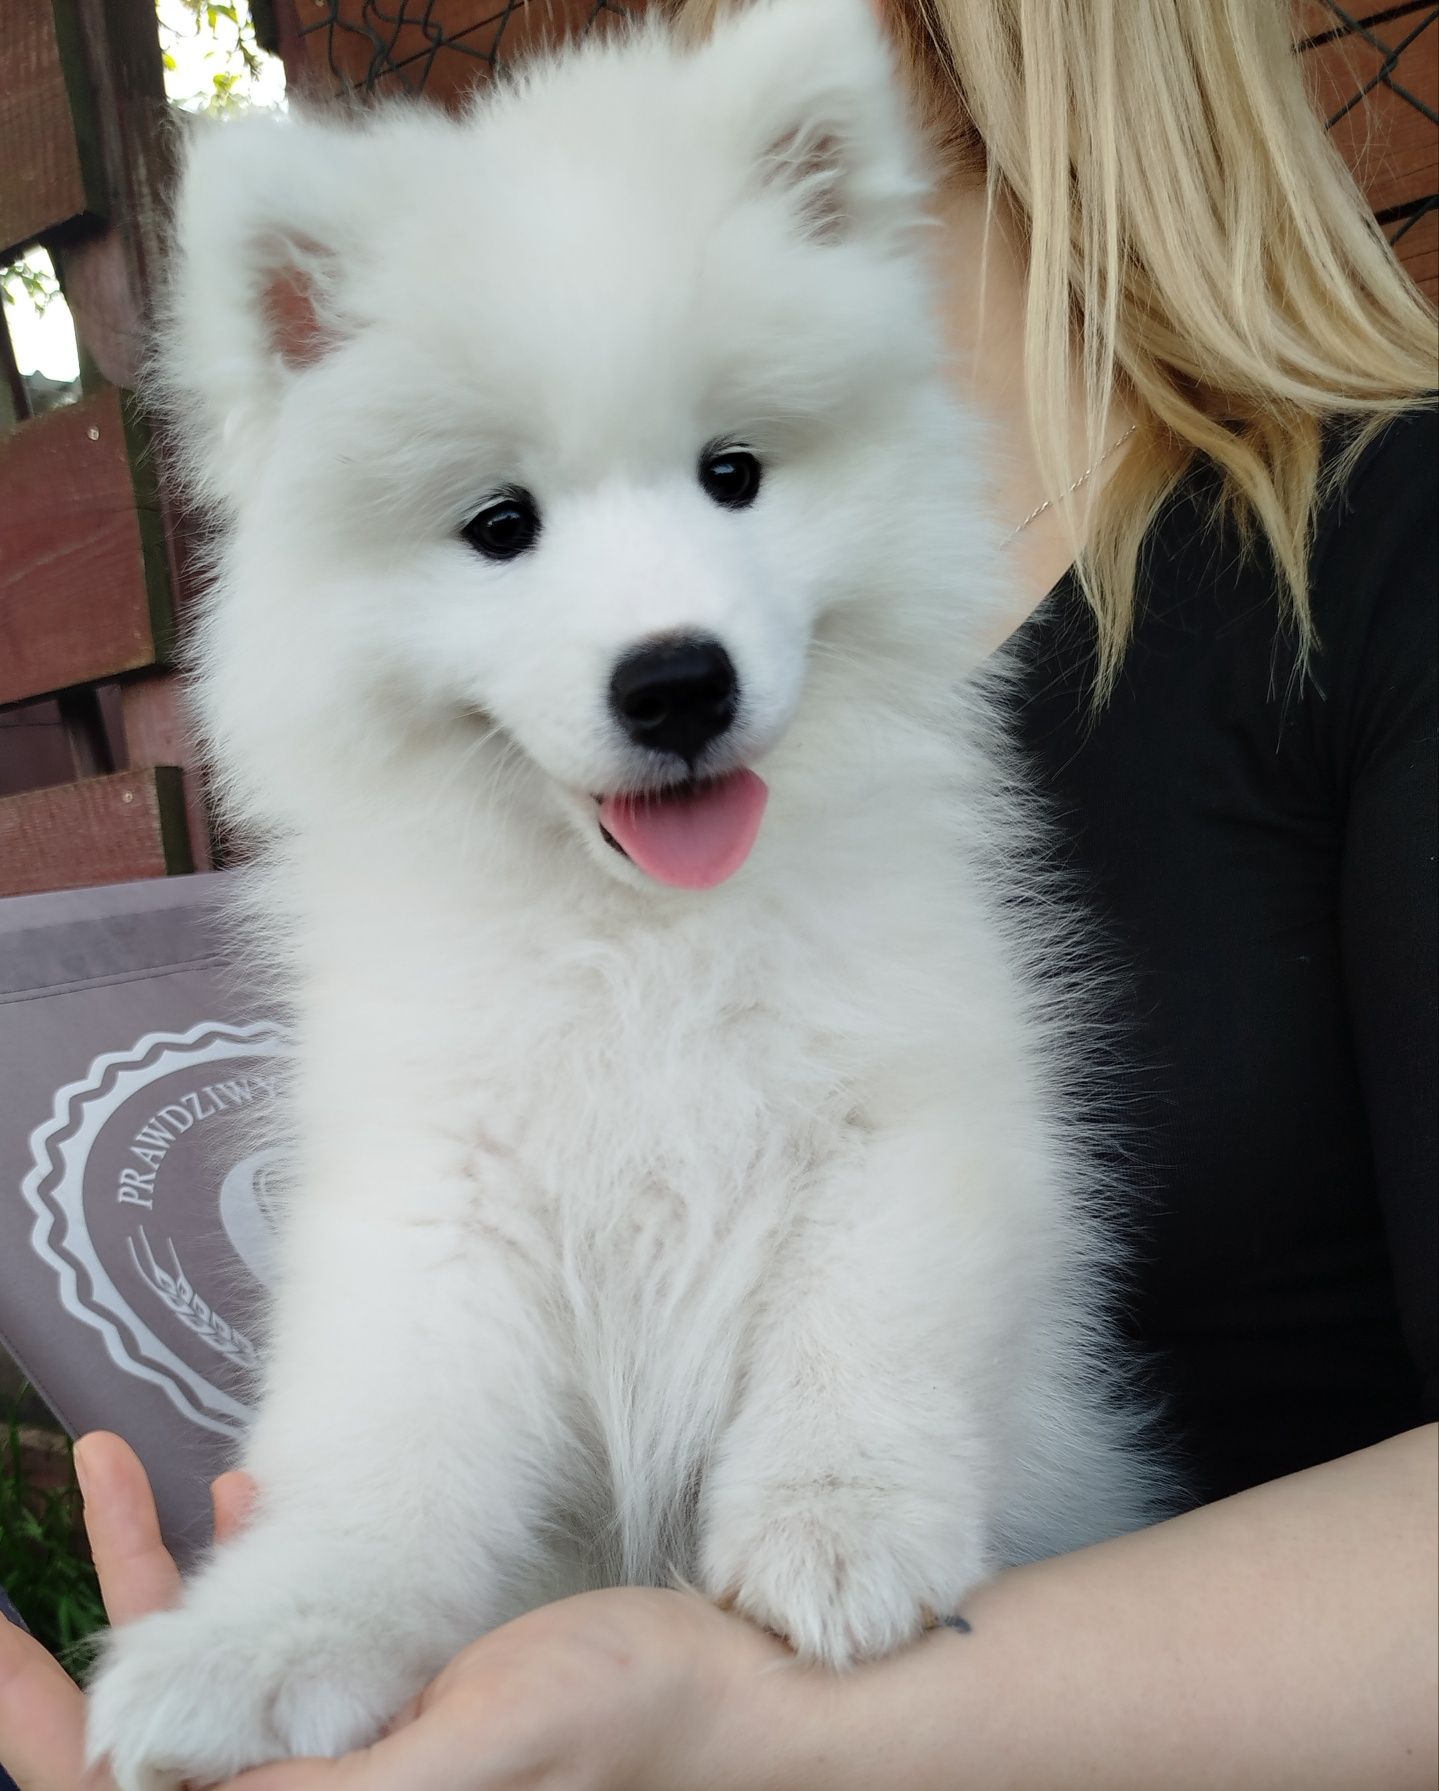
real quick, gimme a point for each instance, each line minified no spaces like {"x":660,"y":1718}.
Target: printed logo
{"x":155,"y":1203}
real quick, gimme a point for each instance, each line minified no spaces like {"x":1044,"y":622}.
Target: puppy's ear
{"x":267,"y":221}
{"x":812,"y":89}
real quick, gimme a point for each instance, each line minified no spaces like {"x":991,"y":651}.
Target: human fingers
{"x":423,"y":1757}
{"x":441,"y":1749}
{"x":136,"y":1572}
{"x":355,"y":1772}
{"x":42,"y":1718}
{"x":232,"y":1498}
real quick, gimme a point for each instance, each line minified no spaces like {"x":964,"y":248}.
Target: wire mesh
{"x":1391,"y":40}
{"x":416,"y":43}
{"x":1374,"y":66}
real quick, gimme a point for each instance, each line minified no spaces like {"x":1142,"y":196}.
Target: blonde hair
{"x":1212,"y":260}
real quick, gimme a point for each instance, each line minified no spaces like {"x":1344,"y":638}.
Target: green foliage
{"x":232,"y":58}
{"x":25,"y":282}
{"x":44,"y":1567}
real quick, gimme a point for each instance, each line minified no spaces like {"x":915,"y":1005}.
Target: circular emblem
{"x":154,"y":1195}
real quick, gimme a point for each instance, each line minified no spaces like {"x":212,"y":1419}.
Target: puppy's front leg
{"x":411,"y":1420}
{"x":848,"y":1503}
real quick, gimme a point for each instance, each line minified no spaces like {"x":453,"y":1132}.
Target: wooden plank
{"x":276,"y":28}
{"x":104,"y":830}
{"x":82,"y":591}
{"x":34,"y":748}
{"x":106,"y":307}
{"x":157,"y":727}
{"x":14,"y":399}
{"x":1392,"y":148}
{"x":117,"y":83}
{"x":442,"y":48}
{"x":111,"y":275}
{"x":158,"y":731}
{"x":80,"y":733}
{"x":83,"y":719}
{"x":1418,"y":249}
{"x":42,"y":178}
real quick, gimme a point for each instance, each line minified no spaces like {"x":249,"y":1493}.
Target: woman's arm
{"x":1284,"y":1637}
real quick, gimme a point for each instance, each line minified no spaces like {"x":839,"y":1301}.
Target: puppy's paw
{"x":843,"y":1572}
{"x":182,"y":1695}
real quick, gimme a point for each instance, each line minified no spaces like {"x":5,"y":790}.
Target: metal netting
{"x":444,"y":45}
{"x":365,"y":43}
{"x":1391,"y":34}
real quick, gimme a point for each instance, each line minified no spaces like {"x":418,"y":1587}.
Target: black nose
{"x":675,"y":696}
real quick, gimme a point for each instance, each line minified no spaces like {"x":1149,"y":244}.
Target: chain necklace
{"x":1069,"y":490}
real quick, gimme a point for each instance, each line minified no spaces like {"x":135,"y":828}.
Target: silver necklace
{"x":1069,"y":490}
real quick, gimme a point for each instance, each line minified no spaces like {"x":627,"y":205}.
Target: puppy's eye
{"x":731,"y":476}
{"x":505,"y":529}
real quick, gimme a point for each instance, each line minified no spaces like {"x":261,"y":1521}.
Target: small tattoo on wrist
{"x":958,"y":1624}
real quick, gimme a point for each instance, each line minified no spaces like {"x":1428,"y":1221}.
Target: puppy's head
{"x":553,"y":437}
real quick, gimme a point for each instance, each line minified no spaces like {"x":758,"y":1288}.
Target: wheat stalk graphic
{"x":178,"y":1293}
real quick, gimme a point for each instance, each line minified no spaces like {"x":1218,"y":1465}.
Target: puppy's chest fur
{"x":654,"y":1202}
{"x":637,"y":1156}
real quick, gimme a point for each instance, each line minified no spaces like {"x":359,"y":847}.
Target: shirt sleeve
{"x":1389,"y":561}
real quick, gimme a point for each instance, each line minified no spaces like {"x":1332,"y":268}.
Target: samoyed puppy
{"x":683,"y":1156}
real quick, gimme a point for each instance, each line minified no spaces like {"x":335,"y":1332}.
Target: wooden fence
{"x":96,"y":780}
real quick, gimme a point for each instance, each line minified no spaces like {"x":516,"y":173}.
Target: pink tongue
{"x":692,"y":838}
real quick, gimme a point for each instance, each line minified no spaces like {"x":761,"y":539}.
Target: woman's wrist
{"x":741,"y":1714}
{"x":1285,"y":1637}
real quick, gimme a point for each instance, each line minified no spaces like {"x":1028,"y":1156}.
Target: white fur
{"x":739,"y":1236}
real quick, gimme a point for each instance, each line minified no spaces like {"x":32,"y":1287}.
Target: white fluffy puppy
{"x":679,"y":1137}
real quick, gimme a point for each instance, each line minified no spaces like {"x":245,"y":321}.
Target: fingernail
{"x":81,"y":1469}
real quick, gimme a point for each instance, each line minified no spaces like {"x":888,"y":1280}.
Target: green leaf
{"x":43,"y":1561}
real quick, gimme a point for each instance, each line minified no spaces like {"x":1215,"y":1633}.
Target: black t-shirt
{"x":1261,"y":853}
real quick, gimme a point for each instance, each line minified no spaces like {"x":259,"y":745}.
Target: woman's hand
{"x":1281,"y":1638}
{"x":42,"y":1712}
{"x":628,"y":1690}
